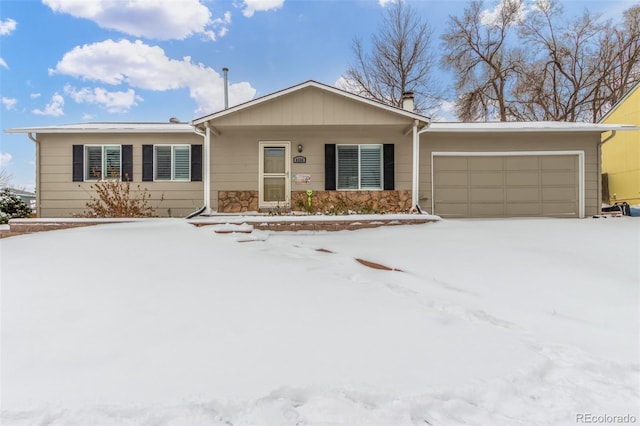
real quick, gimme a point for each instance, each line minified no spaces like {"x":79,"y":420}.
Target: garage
{"x":508,"y":184}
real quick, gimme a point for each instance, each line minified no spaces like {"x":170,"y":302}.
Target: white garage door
{"x":481,"y":185}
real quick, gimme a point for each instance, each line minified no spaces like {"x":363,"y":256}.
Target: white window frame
{"x":103,"y":172}
{"x":173,"y":163}
{"x":360,"y":188}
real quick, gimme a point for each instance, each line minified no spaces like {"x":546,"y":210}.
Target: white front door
{"x":275,"y":182}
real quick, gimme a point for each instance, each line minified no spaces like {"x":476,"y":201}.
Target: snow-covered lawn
{"x":487,"y":322}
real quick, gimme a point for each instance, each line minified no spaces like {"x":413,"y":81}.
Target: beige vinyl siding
{"x":61,"y":197}
{"x":234,"y":154}
{"x":311,"y":107}
{"x":513,"y":142}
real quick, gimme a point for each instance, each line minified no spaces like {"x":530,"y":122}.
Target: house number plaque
{"x":299,"y":159}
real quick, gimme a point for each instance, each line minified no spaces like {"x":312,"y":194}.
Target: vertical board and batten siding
{"x":61,"y":197}
{"x":552,"y":172}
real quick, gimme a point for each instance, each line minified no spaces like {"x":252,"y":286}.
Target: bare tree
{"x":572,"y":70}
{"x":5,"y":178}
{"x":581,"y":67}
{"x":399,"y":62}
{"x":484,"y":64}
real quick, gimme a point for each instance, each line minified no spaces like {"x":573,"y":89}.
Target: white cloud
{"x":494,"y":17}
{"x":157,"y":19}
{"x":147,"y":67}
{"x":7,"y":26}
{"x":34,"y":95}
{"x":252,"y":6}
{"x":9,"y":103}
{"x":3,"y":64}
{"x":5,"y":159}
{"x":87,"y":117}
{"x":53,"y":108}
{"x":383,"y":3}
{"x":113,"y":101}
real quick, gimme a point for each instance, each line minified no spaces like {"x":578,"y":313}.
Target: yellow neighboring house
{"x":621,"y":154}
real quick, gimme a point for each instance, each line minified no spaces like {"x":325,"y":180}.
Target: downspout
{"x":602,"y":142}
{"x":204,"y":208}
{"x":415,"y":187}
{"x":37,"y":188}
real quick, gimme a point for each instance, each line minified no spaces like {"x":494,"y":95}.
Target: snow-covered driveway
{"x":501,"y":322}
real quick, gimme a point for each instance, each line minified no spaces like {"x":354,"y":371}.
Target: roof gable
{"x":634,"y":91}
{"x":311,"y":103}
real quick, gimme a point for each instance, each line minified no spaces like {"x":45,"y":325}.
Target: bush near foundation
{"x":12,"y":206}
{"x":115,"y":198}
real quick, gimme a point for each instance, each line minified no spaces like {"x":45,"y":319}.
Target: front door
{"x":275,"y":184}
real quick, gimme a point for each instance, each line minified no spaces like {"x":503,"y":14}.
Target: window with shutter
{"x":359,"y":166}
{"x":102,"y":162}
{"x":182,"y":162}
{"x":172,"y":162}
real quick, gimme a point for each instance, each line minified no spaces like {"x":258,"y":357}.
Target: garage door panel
{"x":452,"y":194}
{"x":558,"y":162}
{"x":451,"y":163}
{"x":560,"y":209}
{"x":487,"y":179}
{"x":558,"y":178}
{"x":514,"y":178}
{"x":559,"y":194}
{"x":453,"y":209}
{"x":453,"y":178}
{"x":491,"y":195}
{"x":529,"y":195}
{"x":487,"y":210}
{"x":506,"y":185}
{"x":522,"y":163}
{"x":524,"y":209}
{"x":485,"y":163}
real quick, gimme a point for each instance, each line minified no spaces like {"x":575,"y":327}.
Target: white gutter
{"x":37,"y":188}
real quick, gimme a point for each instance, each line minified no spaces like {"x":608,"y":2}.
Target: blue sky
{"x":72,"y":61}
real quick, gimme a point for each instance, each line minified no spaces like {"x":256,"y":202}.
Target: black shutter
{"x":330,"y":167}
{"x":389,"y":168}
{"x":196,"y":163}
{"x":127,"y":163}
{"x":147,"y":163}
{"x":78,"y":163}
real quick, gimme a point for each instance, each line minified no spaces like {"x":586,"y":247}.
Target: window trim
{"x":102,"y":162}
{"x":173,"y":164}
{"x":360,"y":188}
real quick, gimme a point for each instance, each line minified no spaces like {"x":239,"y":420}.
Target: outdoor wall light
{"x":300,"y":147}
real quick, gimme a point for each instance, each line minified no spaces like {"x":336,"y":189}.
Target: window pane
{"x":274,"y":189}
{"x":371,"y":167}
{"x":163,"y":162}
{"x":181,"y":163}
{"x":93,"y":164}
{"x":347,"y":167}
{"x":112,"y":162}
{"x":274,"y":160}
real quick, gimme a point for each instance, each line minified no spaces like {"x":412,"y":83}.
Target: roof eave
{"x":310,"y":83}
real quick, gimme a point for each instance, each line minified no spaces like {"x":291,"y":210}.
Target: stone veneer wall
{"x":332,"y":202}
{"x":336,"y":202}
{"x":237,"y":201}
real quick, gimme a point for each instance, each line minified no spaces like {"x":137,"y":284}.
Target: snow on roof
{"x":112,"y":127}
{"x":526,"y":126}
